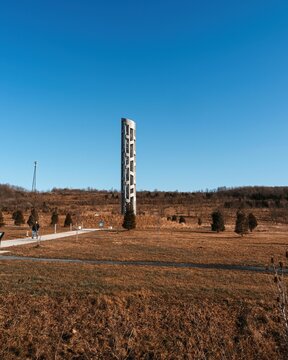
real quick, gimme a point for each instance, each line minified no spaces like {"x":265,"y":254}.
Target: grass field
{"x":82,"y":311}
{"x":179,"y":245}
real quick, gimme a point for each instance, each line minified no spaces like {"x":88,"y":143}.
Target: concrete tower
{"x":128,"y":164}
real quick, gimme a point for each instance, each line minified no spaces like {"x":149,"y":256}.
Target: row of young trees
{"x":19,"y":219}
{"x":242,"y":225}
{"x":175,"y":218}
{"x":243,"y":222}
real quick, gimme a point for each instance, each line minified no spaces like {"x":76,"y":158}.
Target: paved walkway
{"x":29,"y":240}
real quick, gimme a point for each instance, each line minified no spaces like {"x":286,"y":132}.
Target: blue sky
{"x":205,"y":81}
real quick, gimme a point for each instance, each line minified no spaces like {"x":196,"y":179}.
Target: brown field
{"x":83,"y":311}
{"x":195,"y":245}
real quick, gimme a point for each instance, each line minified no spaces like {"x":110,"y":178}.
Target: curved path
{"x":143,"y":263}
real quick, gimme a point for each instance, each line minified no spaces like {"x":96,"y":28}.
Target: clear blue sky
{"x":206,"y":82}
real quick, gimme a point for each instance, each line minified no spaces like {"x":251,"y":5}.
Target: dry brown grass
{"x":82,"y":311}
{"x":54,"y":278}
{"x":135,"y":327}
{"x":190,"y":245}
{"x":68,"y":311}
{"x":78,"y":311}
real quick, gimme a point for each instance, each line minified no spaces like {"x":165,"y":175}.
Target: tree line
{"x":243,"y":222}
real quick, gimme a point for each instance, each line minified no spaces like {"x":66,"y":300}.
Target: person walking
{"x":35,"y":228}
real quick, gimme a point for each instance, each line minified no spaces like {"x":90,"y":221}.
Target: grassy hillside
{"x":269,"y":204}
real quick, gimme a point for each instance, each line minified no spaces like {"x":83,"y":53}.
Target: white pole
{"x":55,"y":228}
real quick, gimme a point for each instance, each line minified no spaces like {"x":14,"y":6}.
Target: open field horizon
{"x":203,"y":85}
{"x":91,"y":311}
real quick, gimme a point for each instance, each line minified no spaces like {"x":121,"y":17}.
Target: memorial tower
{"x":128,"y":164}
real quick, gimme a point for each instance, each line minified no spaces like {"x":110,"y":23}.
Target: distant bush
{"x":14,"y":214}
{"x":217,"y":221}
{"x":252,"y":222}
{"x":18,"y":217}
{"x":1,"y":219}
{"x":241,"y":225}
{"x":199,"y":221}
{"x":68,"y":220}
{"x":55,"y":218}
{"x":33,"y":217}
{"x":182,"y":220}
{"x":174,"y":218}
{"x":228,"y":204}
{"x":45,"y":207}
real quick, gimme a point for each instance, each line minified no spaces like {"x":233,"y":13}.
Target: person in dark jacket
{"x":35,"y":228}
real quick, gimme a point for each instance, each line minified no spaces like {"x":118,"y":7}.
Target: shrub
{"x":54,"y":217}
{"x":182,"y":220}
{"x":199,"y":221}
{"x":33,"y":217}
{"x":45,"y":207}
{"x":252,"y":222}
{"x":31,"y":221}
{"x":68,"y":220}
{"x":241,"y":225}
{"x":174,"y":218}
{"x":34,"y":213}
{"x":129,"y":221}
{"x":18,"y":217}
{"x":1,"y":219}
{"x":217,"y":221}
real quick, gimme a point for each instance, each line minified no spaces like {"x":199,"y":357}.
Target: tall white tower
{"x":128,"y":164}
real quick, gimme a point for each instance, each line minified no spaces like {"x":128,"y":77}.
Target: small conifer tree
{"x":217,"y":221}
{"x":199,"y":221}
{"x":54,"y":217}
{"x":2,"y":223}
{"x":241,"y":225}
{"x":14,"y":214}
{"x":252,"y":222}
{"x":34,"y":213}
{"x":18,"y":217}
{"x":68,"y":220}
{"x":33,"y":217}
{"x":182,"y":220}
{"x":31,"y":220}
{"x":174,"y":218}
{"x":129,"y":221}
